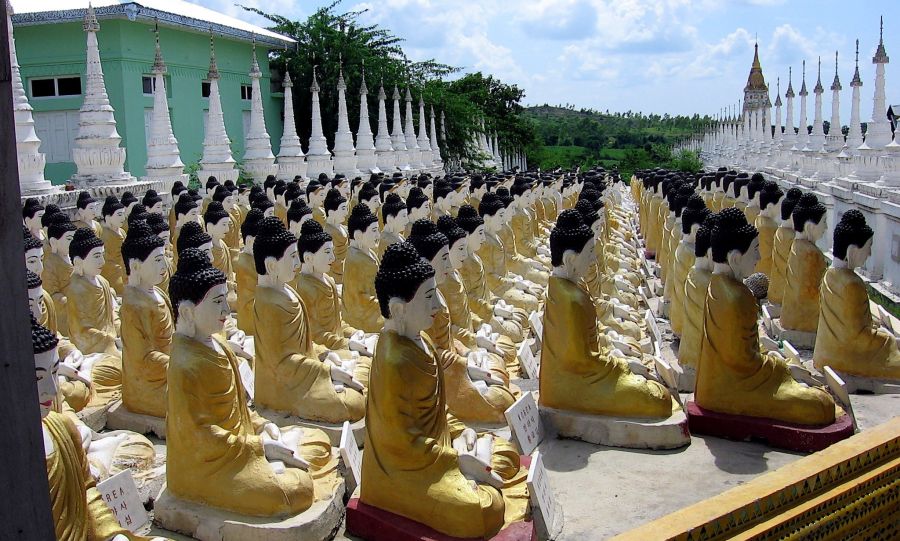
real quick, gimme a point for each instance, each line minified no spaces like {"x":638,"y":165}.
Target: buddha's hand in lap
{"x":277,"y":450}
{"x":503,"y":310}
{"x":71,"y":373}
{"x":357,"y":342}
{"x":473,"y":463}
{"x":345,"y":378}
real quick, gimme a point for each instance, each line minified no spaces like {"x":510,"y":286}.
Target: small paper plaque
{"x":536,"y":320}
{"x":350,"y":453}
{"x":793,"y":356}
{"x":121,"y":496}
{"x":650,"y":319}
{"x":531,"y":363}
{"x":539,"y":490}
{"x":247,"y":378}
{"x":525,"y":420}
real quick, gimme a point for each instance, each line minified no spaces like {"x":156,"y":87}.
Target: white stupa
{"x":31,"y":162}
{"x":163,"y":157}
{"x":259,"y":162}
{"x":217,"y":160}
{"x":835,"y":139}
{"x":435,"y":148}
{"x":386,"y":158}
{"x":409,"y":132}
{"x":344,"y":151}
{"x":99,"y":160}
{"x":422,"y":139}
{"x":366,"y":161}
{"x":291,"y":160}
{"x":398,"y":140}
{"x":318,"y":157}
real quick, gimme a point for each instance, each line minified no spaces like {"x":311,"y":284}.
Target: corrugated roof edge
{"x":134,"y":12}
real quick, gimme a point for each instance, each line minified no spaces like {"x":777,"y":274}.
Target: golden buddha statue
{"x":428,"y":479}
{"x":320,"y":295}
{"x":86,"y":211}
{"x":358,"y":294}
{"x":185,"y":211}
{"x":219,"y":452}
{"x":806,"y":266}
{"x":692,"y":217}
{"x":232,"y":236}
{"x":245,"y":273}
{"x":847,"y":339}
{"x":718,"y":189}
{"x":218,"y":223}
{"x":336,"y":212}
{"x":739,"y":191}
{"x":290,"y":376}
{"x":297,"y":215}
{"x":768,"y":203}
{"x":696,"y":285}
{"x":578,"y":372}
{"x":517,"y":264}
{"x":781,"y":246}
{"x":315,"y":195}
{"x":147,"y":325}
{"x":160,"y":227}
{"x":112,"y":236}
{"x":32,"y":215}
{"x":395,"y":218}
{"x":418,"y":207}
{"x":733,"y":376}
{"x":751,"y":193}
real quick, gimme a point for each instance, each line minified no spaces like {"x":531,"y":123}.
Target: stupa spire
{"x":790,"y":137}
{"x":365,"y":146}
{"x":878,"y":130}
{"x":409,"y":132}
{"x":835,"y":139}
{"x":344,"y":151}
{"x":779,"y":135}
{"x":385,"y":157}
{"x":397,"y":139}
{"x":854,"y":135}
{"x":163,"y":156}
{"x":291,"y":161}
{"x":97,"y":155}
{"x":30,"y":161}
{"x":435,"y":147}
{"x":817,"y":137}
{"x":318,"y":158}
{"x":423,"y":141}
{"x":803,"y":133}
{"x":259,"y":162}
{"x":217,"y":160}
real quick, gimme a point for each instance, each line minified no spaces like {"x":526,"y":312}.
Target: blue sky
{"x":666,"y":56}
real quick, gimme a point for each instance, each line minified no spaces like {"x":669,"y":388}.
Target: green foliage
{"x":686,"y":160}
{"x":192,"y":169}
{"x":332,"y":41}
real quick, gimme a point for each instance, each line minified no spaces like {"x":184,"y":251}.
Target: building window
{"x":55,"y":87}
{"x":204,"y":89}
{"x":246,"y":92}
{"x":276,"y":81}
{"x":57,"y":131}
{"x":148,"y":83}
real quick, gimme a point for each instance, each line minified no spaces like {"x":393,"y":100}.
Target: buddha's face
{"x":229,"y":202}
{"x":157,"y":208}
{"x":857,"y":256}
{"x":476,"y":239}
{"x":442,"y":265}
{"x":458,"y":253}
{"x":60,"y":246}
{"x":373,"y":203}
{"x":294,"y":227}
{"x":492,"y":223}
{"x":206,"y":248}
{"x":91,"y":211}
{"x":814,"y":231}
{"x":422,"y":211}
{"x":418,"y":314}
{"x":210,"y":314}
{"x":344,"y":188}
{"x":34,"y":223}
{"x":320,"y":261}
{"x":744,"y":264}
{"x":34,"y":302}
{"x":398,"y":221}
{"x":219,"y":229}
{"x":192,"y":215}
{"x":285,"y":268}
{"x":368,"y":238}
{"x":581,"y":262}
{"x":46,"y":372}
{"x":151,"y":271}
{"x":93,"y":262}
{"x":339,"y":215}
{"x":116,"y":219}
{"x":34,"y":260}
{"x":244,"y":199}
{"x":317,"y":197}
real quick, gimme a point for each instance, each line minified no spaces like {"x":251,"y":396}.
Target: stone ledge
{"x":633,"y":433}
{"x":120,"y":418}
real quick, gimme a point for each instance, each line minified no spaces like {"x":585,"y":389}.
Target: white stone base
{"x":97,"y":180}
{"x":669,"y":433}
{"x":259,"y":171}
{"x":319,"y":522}
{"x":66,"y":199}
{"x":316,"y":165}
{"x":288,"y":168}
{"x":855,"y":384}
{"x":332,"y":430}
{"x":799,"y":339}
{"x":687,"y":377}
{"x":120,"y":418}
{"x":221,"y":175}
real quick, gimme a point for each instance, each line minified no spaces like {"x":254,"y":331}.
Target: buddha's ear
{"x":270,"y":263}
{"x":186,"y":313}
{"x":134,"y":266}
{"x":306,"y":258}
{"x":568,"y":258}
{"x":734,"y":259}
{"x":397,"y":308}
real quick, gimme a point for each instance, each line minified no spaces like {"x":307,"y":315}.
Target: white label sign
{"x":350,"y":453}
{"x":650,"y":320}
{"x":539,"y":490}
{"x":247,"y":378}
{"x":531,"y":363}
{"x":536,"y":320}
{"x":121,"y":496}
{"x":525,"y":420}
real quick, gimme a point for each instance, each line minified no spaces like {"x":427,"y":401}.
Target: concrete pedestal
{"x":800,"y":339}
{"x":120,"y":418}
{"x":670,"y":433}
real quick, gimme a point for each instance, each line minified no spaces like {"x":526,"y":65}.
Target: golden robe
{"x":515,"y":262}
{"x":847,"y":339}
{"x":114,"y":269}
{"x":662,"y":253}
{"x":320,"y":296}
{"x":652,"y":232}
{"x":492,"y":255}
{"x":147,"y":328}
{"x":734,"y":377}
{"x":246,"y":279}
{"x":214,"y":455}
{"x":79,"y":512}
{"x":361,"y":309}
{"x":806,"y":266}
{"x":482,"y":301}
{"x":693,"y":310}
{"x":341,"y":245}
{"x":684,"y":261}
{"x":781,"y":250}
{"x":718,"y":200}
{"x":387,"y":238}
{"x":94,"y":226}
{"x":75,"y":393}
{"x":289,"y":375}
{"x":56,"y":277}
{"x":233,"y":236}
{"x":576,"y":373}
{"x":766,"y":227}
{"x":752,"y":213}
{"x":410,"y":467}
{"x":319,"y":215}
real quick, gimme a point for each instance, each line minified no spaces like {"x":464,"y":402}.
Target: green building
{"x":51,"y":45}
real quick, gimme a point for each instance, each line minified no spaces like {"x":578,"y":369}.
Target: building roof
{"x":174,"y":13}
{"x":756,"y":81}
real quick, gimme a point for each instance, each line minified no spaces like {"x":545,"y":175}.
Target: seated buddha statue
{"x":805,"y":268}
{"x":751,"y":192}
{"x":297,"y":215}
{"x":527,"y":242}
{"x":160,"y":227}
{"x":228,"y":200}
{"x":513,"y":288}
{"x":175,"y":194}
{"x":336,"y":212}
{"x":476,"y":382}
{"x":86,"y":211}
{"x":739,"y":191}
{"x":129,"y":201}
{"x":847,"y":339}
{"x":428,"y":479}
{"x":290,"y":376}
{"x":578,"y":372}
{"x":186,"y":211}
{"x":220,"y":453}
{"x":368,"y":195}
{"x":483,"y":301}
{"x":727,"y":199}
{"x":600,"y":279}
{"x":320,"y":295}
{"x":32,"y":212}
{"x":418,"y":207}
{"x":192,"y":235}
{"x":147,"y":326}
{"x":516,"y":263}
{"x":443,"y":200}
{"x":467,"y":326}
{"x":666,"y":219}
{"x":93,"y":314}
{"x":358,"y":294}
{"x":733,"y":376}
{"x":218,"y":224}
{"x":695,"y":289}
{"x":395,"y":217}
{"x":691,"y":219}
{"x":153,"y":202}
{"x":315,"y":198}
{"x":718,"y":189}
{"x":768,"y":201}
{"x":112,"y":236}
{"x":781,"y":245}
{"x":58,"y":269}
{"x":245,"y":273}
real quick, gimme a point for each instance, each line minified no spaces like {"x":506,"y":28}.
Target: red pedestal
{"x":790,"y":436}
